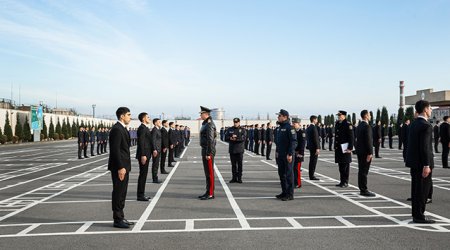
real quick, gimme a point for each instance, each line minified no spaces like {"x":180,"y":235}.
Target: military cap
{"x":204,"y":110}
{"x":283,"y":112}
{"x":236,"y":120}
{"x":295,"y":120}
{"x":341,"y":112}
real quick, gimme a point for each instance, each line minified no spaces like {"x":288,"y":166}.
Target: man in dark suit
{"x":164,"y":145}
{"x":99,"y":141}
{"x":330,"y":135}
{"x":405,"y":138}
{"x":343,"y":147}
{"x":323,"y":135}
{"x":156,"y":143}
{"x":172,"y":143}
{"x":364,"y":150}
{"x":257,"y":138}
{"x":269,"y":140}
{"x":390,"y":136}
{"x":263,"y":139}
{"x":445,"y":140}
{"x":419,"y":159}
{"x":86,"y":141}
{"x":313,"y":144}
{"x":436,"y":137}
{"x":235,"y":136}
{"x":143,"y":154}
{"x":120,"y":165}
{"x":377,"y":139}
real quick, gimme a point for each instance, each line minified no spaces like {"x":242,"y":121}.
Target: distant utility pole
{"x":93,"y":110}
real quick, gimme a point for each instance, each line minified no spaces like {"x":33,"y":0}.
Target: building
{"x":440,"y":101}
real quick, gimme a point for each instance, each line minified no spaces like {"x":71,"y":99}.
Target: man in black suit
{"x":143,"y":155}
{"x":80,"y":141}
{"x":312,"y":135}
{"x":172,"y":143}
{"x":419,"y":159}
{"x":377,"y":138}
{"x":405,"y":138}
{"x":120,"y":165}
{"x":269,"y":140}
{"x":390,"y":136}
{"x":86,"y":141}
{"x":445,"y":140}
{"x":364,"y":150}
{"x":235,"y":136}
{"x":156,"y":143}
{"x":263,"y":139}
{"x":257,"y":138}
{"x":164,"y":145}
{"x":436,"y":137}
{"x":330,"y":135}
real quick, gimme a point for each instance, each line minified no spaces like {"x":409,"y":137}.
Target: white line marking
{"x":294,"y":223}
{"x":85,"y":227}
{"x":189,"y":225}
{"x":28,"y":229}
{"x":345,"y":222}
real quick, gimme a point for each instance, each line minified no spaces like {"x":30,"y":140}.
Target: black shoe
{"x":314,"y":178}
{"x":424,"y":221}
{"x":345,"y":184}
{"x":207,"y":197}
{"x":86,"y":156}
{"x":233,"y":181}
{"x":92,"y":155}
{"x":201,"y":196}
{"x":164,"y":172}
{"x":128,"y":222}
{"x":340,"y":185}
{"x":437,"y":152}
{"x":298,"y":186}
{"x":446,"y":167}
{"x":157,"y":182}
{"x":287,"y":198}
{"x":121,"y":224}
{"x":174,"y":161}
{"x":143,"y":198}
{"x":171,"y":166}
{"x":80,"y":158}
{"x":409,"y":199}
{"x":279,"y":196}
{"x":429,"y":201}
{"x":379,"y":157}
{"x":367,"y":194}
{"x":268,"y":159}
{"x":239,"y":181}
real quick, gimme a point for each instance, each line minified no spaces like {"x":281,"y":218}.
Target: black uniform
{"x":236,"y":138}
{"x":330,"y":138}
{"x":164,"y":148}
{"x":364,"y":148}
{"x":263,"y":142}
{"x":156,"y":143}
{"x":405,"y":138}
{"x":383,"y":135}
{"x":257,"y":138}
{"x":376,"y":139}
{"x":445,"y":140}
{"x":420,"y":154}
{"x":172,"y":143}
{"x":92,"y":141}
{"x":143,"y":149}
{"x":436,"y":138}
{"x":80,"y":143}
{"x":323,"y":135}
{"x":99,"y":142}
{"x":208,"y":144}
{"x":313,"y":145}
{"x":344,"y":134}
{"x":86,"y":143}
{"x":269,"y":141}
{"x":390,"y":135}
{"x":299,"y":157}
{"x":286,"y":141}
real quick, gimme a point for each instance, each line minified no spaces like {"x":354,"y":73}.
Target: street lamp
{"x":93,"y":110}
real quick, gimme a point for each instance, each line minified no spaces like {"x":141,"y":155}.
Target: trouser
{"x":171,"y":158}
{"x":143,"y":171}
{"x":420,"y":189}
{"x":286,"y":174}
{"x":246,"y":144}
{"x":330,"y":144}
{"x":80,"y":148}
{"x":105,"y":144}
{"x":208,"y":167}
{"x":390,"y":142}
{"x":92,"y":148}
{"x":99,"y":146}
{"x":436,"y":144}
{"x":236,"y":165}
{"x":163,"y":160}
{"x":363,"y":171}
{"x":344,"y":171}
{"x":256,"y":148}
{"x":405,"y":149}
{"x":155,"y":165}
{"x":445,"y":150}
{"x":298,"y":173}
{"x":323,"y":142}
{"x":312,"y":163}
{"x":263,"y":148}
{"x":400,"y":142}
{"x":382,"y":141}
{"x":85,"y":146}
{"x":119,"y":194}
{"x":268,"y":150}
{"x":251,"y":145}
{"x":377,"y":149}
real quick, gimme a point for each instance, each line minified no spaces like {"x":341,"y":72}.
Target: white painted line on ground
{"x":28,"y":229}
{"x":345,"y":222}
{"x":294,"y":223}
{"x":85,"y":227}
{"x":189,"y":225}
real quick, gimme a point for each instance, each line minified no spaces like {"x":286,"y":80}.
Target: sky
{"x":247,"y":57}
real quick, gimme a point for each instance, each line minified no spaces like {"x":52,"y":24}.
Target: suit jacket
{"x":364,"y":139}
{"x":420,"y":149}
{"x":172,"y":137}
{"x":143,"y":145}
{"x":164,"y":138}
{"x":445,"y":133}
{"x":376,"y":133}
{"x":312,"y":135}
{"x":436,"y":132}
{"x":269,"y":135}
{"x":156,"y":141}
{"x":119,"y":148}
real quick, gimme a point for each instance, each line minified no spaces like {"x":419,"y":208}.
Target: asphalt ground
{"x":51,"y":200}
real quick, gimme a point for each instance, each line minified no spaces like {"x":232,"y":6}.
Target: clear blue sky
{"x":248,"y":57}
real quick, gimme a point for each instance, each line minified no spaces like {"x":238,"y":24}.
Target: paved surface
{"x":49,"y":199}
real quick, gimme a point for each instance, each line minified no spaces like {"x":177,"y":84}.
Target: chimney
{"x":402,"y":95}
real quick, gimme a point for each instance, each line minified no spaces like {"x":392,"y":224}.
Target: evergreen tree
{"x":332,"y":119}
{"x":64,"y":128}
{"x":58,"y":128}
{"x":27,"y":130}
{"x":19,"y":129}
{"x":384,"y":116}
{"x":74,"y":129}
{"x":44,"y":128}
{"x":378,"y":115}
{"x":51,"y":129}
{"x":319,"y":119}
{"x":409,"y":114}
{"x":400,"y":116}
{"x":371,"y":118}
{"x":349,"y":118}
{"x":354,"y":119}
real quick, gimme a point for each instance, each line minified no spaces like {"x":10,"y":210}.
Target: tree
{"x":371,"y":118}
{"x":44,"y":128}
{"x":400,"y":117}
{"x":332,"y":119}
{"x":82,"y":123}
{"x":319,"y":119}
{"x":378,"y":116}
{"x":392,"y":122}
{"x":384,"y":116}
{"x":409,"y":115}
{"x":19,"y":128}
{"x":58,"y":129}
{"x":349,"y":119}
{"x":51,"y":129}
{"x":27,"y":131}
{"x":64,"y":128}
{"x":354,"y":119}
{"x":74,"y":129}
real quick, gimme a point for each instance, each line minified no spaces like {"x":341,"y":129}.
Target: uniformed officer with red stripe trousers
{"x":208,"y":144}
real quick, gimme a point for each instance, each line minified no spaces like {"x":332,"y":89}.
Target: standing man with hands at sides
{"x":364,"y":150}
{"x":343,"y":147}
{"x":445,"y":140}
{"x":208,"y":145}
{"x":156,"y":144}
{"x":172,"y":143}
{"x":312,"y":133}
{"x":286,"y":141}
{"x":120,"y":165}
{"x":143,"y":154}
{"x":235,"y":136}
{"x":269,"y":140}
{"x":419,"y":158}
{"x":299,"y":152}
{"x":164,"y":145}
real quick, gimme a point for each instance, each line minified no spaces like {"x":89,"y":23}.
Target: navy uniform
{"x":208,"y":145}
{"x":286,"y":141}
{"x":269,"y":140}
{"x":344,"y":134}
{"x":235,"y":136}
{"x":299,"y":154}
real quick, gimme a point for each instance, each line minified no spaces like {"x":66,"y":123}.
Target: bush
{"x":8,"y":130}
{"x":42,"y":137}
{"x":15,"y":139}
{"x":55,"y":136}
{"x":61,"y":136}
{"x":3,"y":139}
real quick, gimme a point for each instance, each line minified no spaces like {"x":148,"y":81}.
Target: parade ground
{"x":51,"y":200}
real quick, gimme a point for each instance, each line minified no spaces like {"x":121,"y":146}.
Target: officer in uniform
{"x":445,"y":140}
{"x":330,"y":135}
{"x":99,"y":141}
{"x":286,"y":141}
{"x":164,"y":145}
{"x":172,"y":143}
{"x":251,"y":138}
{"x":235,"y":136}
{"x":390,"y":136}
{"x":263,"y":140}
{"x":156,"y":144}
{"x":208,"y":144}
{"x":299,"y":152}
{"x":269,"y":140}
{"x":377,"y":139}
{"x":86,"y":141}
{"x":364,"y":150}
{"x":312,"y":135}
{"x":257,"y":138}
{"x":80,"y":142}
{"x":343,"y":147}
{"x":92,"y":140}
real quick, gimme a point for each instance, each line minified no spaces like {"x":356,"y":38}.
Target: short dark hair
{"x":445,"y":117}
{"x":141,"y":116}
{"x":421,"y":105}
{"x":155,"y":120}
{"x":312,"y":118}
{"x":164,"y":121}
{"x":364,"y":113}
{"x":121,"y":111}
{"x":170,"y":123}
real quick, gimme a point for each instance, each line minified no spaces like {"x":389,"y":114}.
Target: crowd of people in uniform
{"x":90,"y":137}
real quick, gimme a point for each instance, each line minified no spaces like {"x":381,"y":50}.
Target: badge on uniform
{"x":293,"y":131}
{"x":350,"y":127}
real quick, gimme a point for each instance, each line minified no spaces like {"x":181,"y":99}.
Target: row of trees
{"x":61,"y":131}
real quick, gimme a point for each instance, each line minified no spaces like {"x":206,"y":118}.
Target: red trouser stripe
{"x":211,"y":176}
{"x":299,"y":174}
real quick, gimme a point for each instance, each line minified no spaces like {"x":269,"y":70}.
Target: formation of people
{"x":89,"y":137}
